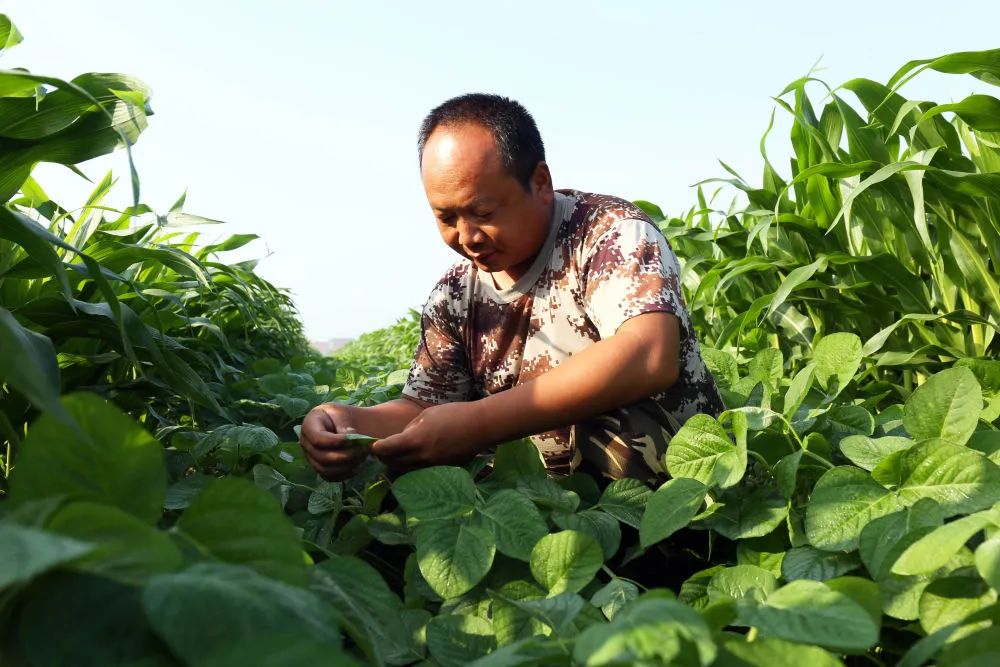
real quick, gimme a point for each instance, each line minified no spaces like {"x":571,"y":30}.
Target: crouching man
{"x":563,"y":321}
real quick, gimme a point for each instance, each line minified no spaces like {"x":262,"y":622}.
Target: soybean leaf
{"x":946,"y":406}
{"x":441,"y":492}
{"x":626,"y":499}
{"x":671,"y":508}
{"x":455,"y":641}
{"x":958,"y":479}
{"x":741,"y":581}
{"x":26,"y":552}
{"x":744,"y":516}
{"x":105,"y":457}
{"x":811,"y":563}
{"x":988,"y":562}
{"x":867,"y":452}
{"x":837,"y":357}
{"x":613,"y":597}
{"x":843,"y":501}
{"x":810,"y":612}
{"x":951,"y":599}
{"x":772,"y":652}
{"x":515,"y":522}
{"x":601,"y":526}
{"x":184,"y":608}
{"x":938,"y":546}
{"x":702,"y":450}
{"x":237,"y":522}
{"x":566,"y":561}
{"x":454,"y":556}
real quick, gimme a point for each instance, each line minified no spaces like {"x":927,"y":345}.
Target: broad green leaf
{"x":237,"y":522}
{"x":958,"y":479}
{"x":441,"y":492}
{"x":810,"y":563}
{"x":741,"y":581}
{"x":532,"y":652}
{"x":455,"y":641}
{"x":515,"y":522}
{"x":510,"y":622}
{"x":867,"y":452}
{"x":547,"y":493}
{"x":185,"y":609}
{"x":988,"y":562}
{"x":946,"y":406}
{"x":951,"y":599}
{"x":358,"y":592}
{"x":626,"y":500}
{"x":702,"y":450}
{"x":739,"y":516}
{"x":766,"y":366}
{"x":810,"y":612}
{"x":515,"y":461}
{"x":614,"y":596}
{"x":843,"y":501}
{"x":837,"y":357}
{"x":601,"y":526}
{"x":78,"y":619}
{"x":454,"y":556}
{"x":694,"y":591}
{"x":125,"y":548}
{"x":28,"y":364}
{"x":647,"y":632}
{"x":566,"y":561}
{"x":105,"y":457}
{"x":26,"y":552}
{"x":772,"y":652}
{"x":940,"y":545}
{"x":980,"y":649}
{"x":722,"y":365}
{"x":671,"y":508}
{"x":559,"y":612}
{"x":767,"y":560}
{"x":276,"y":649}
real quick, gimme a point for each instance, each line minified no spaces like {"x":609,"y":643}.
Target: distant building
{"x":325,"y":347}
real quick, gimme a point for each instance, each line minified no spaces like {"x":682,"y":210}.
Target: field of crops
{"x":155,"y":507}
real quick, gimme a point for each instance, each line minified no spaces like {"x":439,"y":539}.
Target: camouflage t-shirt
{"x":603,"y":262}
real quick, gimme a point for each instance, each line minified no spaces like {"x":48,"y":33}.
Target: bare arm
{"x":640,"y":360}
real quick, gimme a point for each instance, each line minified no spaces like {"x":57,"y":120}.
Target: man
{"x":564,"y":321}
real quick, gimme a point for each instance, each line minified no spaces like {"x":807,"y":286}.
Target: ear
{"x":541,"y":183}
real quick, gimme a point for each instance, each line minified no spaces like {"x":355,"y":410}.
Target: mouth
{"x":482,"y":257}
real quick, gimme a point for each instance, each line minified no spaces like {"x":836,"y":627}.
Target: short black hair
{"x":514,"y":130}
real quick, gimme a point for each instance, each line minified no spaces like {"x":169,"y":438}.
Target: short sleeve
{"x":631,"y":270}
{"x":440,"y":371}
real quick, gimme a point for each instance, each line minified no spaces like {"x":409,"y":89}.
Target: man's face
{"x":482,"y":212}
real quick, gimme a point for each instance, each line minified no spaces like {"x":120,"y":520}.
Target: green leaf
{"x":26,"y":553}
{"x":626,"y":499}
{"x":515,"y":461}
{"x":454,"y":556}
{"x":837,"y":356}
{"x":237,"y":522}
{"x":843,"y":501}
{"x":946,"y":406}
{"x":362,"y":597}
{"x":515,"y":522}
{"x":772,"y":652}
{"x":105,"y":457}
{"x":810,"y":612}
{"x":951,"y":599}
{"x":559,"y":612}
{"x":455,"y":641}
{"x":960,"y":480}
{"x":185,"y":609}
{"x":441,"y":492}
{"x":566,"y":561}
{"x":936,"y":548}
{"x":740,"y":517}
{"x":613,"y":597}
{"x":29,"y":364}
{"x":702,"y":450}
{"x":648,"y":632}
{"x":988,"y":562}
{"x":601,"y":526}
{"x":125,"y":548}
{"x":671,"y":508}
{"x":741,"y":581}
{"x":276,"y":649}
{"x":980,"y":649}
{"x":722,"y":365}
{"x":868,"y":452}
{"x":811,"y":563}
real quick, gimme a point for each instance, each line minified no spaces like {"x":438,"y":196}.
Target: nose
{"x":469,"y":233}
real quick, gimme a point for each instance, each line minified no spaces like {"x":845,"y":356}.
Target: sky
{"x":297,"y":121}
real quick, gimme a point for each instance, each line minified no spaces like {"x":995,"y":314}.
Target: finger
{"x":338,"y":457}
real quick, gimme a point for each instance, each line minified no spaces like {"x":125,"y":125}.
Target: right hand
{"x":322,"y":440}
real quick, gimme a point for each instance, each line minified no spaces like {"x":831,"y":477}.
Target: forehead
{"x":461,"y":163}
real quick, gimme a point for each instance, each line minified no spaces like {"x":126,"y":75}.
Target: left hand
{"x":440,"y":435}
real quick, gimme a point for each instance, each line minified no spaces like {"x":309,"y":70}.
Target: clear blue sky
{"x":297,"y":120}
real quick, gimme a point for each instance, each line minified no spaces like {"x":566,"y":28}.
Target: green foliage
{"x":846,"y":503}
